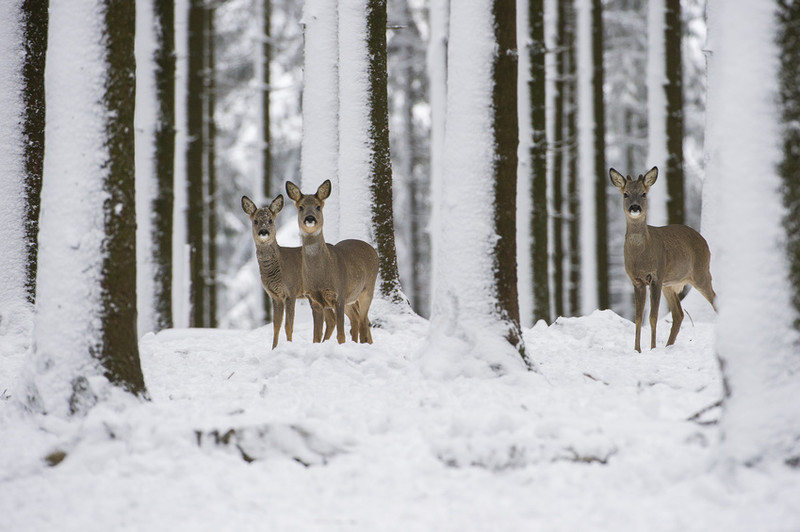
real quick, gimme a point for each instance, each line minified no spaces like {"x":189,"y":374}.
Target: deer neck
{"x":314,"y":246}
{"x":268,"y":254}
{"x":636,"y":231}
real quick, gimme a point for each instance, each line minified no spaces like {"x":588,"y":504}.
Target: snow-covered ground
{"x":377,"y":437}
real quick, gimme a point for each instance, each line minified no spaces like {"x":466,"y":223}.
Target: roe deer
{"x":663,"y":258}
{"x":279,"y":267}
{"x":339,"y":277}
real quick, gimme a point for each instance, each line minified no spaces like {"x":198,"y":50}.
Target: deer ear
{"x":617,"y":179}
{"x":276,"y":205}
{"x":650,"y":177}
{"x":324,"y":190}
{"x":248,"y":206}
{"x":293,"y":192}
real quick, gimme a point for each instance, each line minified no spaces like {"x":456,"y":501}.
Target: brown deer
{"x":279,"y":267}
{"x":663,"y":258}
{"x":339,"y":277}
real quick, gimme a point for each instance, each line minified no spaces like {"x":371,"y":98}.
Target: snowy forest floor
{"x":375,"y":437}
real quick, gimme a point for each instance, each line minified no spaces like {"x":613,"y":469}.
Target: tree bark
{"x":673,"y":33}
{"x":540,"y":257}
{"x":601,"y":181}
{"x":266,"y":133}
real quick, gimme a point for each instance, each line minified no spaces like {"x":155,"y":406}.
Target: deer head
{"x":634,"y":191}
{"x":263,"y":219}
{"x":309,"y":207}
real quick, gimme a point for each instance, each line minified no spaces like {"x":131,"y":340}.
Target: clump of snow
{"x":364,"y":437}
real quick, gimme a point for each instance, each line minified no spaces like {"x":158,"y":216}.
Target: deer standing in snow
{"x":279,"y":267}
{"x":340,"y":277}
{"x":663,"y":258}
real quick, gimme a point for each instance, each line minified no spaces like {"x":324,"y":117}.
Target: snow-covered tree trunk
{"x":23,"y":41}
{"x":85,"y":330}
{"x":365,"y":172}
{"x":789,"y":41}
{"x":475,"y":310}
{"x":155,"y":161}
{"x":439,"y":13}
{"x":320,"y":144}
{"x":656,"y":109}
{"x":757,"y":345}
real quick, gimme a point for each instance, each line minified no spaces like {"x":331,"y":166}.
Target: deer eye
{"x":300,"y":209}
{"x":644,"y":195}
{"x":626,"y":195}
{"x":317,"y":207}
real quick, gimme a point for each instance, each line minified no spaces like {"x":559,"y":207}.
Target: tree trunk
{"x":266,"y":138}
{"x":757,"y":344}
{"x":540,"y":257}
{"x":210,"y":274}
{"x":601,"y":181}
{"x":195,"y":208}
{"x":164,"y":199}
{"x":558,"y":161}
{"x":86,"y":309}
{"x":571,"y":148}
{"x":673,"y":34}
{"x":381,"y":163}
{"x":789,"y":42}
{"x":34,"y":39}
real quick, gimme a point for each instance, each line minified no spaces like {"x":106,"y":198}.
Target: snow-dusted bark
{"x":756,"y":343}
{"x":468,"y":315}
{"x":320,"y":144}
{"x":15,"y":309}
{"x":155,"y":157}
{"x":85,"y":328}
{"x":586,"y":156}
{"x":656,"y":109}
{"x":437,"y":76}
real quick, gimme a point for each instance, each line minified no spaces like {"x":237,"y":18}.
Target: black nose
{"x":633,"y":209}
{"x":263,"y":232}
{"x":310,"y":220}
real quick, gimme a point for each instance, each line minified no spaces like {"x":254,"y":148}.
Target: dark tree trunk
{"x":381,"y":164}
{"x":164,"y":12}
{"x":601,"y":183}
{"x":540,"y":257}
{"x":210,"y":274}
{"x":266,"y":147}
{"x":194,"y":162}
{"x":789,"y":42}
{"x":558,"y":163}
{"x":34,"y":39}
{"x":118,"y":351}
{"x":506,"y":133}
{"x":571,"y":153}
{"x":673,"y":33}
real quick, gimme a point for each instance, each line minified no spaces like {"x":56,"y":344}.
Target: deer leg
{"x":330,"y":323}
{"x":355,"y":320}
{"x":316,"y":314}
{"x":289,"y":318}
{"x":364,"y":301}
{"x":672,"y":294}
{"x":638,"y":303}
{"x":277,"y":319}
{"x":655,"y":301}
{"x":340,"y":336}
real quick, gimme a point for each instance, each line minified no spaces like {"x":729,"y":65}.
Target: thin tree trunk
{"x":673,"y":33}
{"x":211,"y":170}
{"x":789,"y":42}
{"x":34,"y":40}
{"x":381,"y":163}
{"x":540,"y":257}
{"x":506,"y":132}
{"x":571,"y":151}
{"x":194,"y":162}
{"x":266,"y":139}
{"x":601,"y":183}
{"x":164,"y":12}
{"x":118,"y":351}
{"x":558,"y":165}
